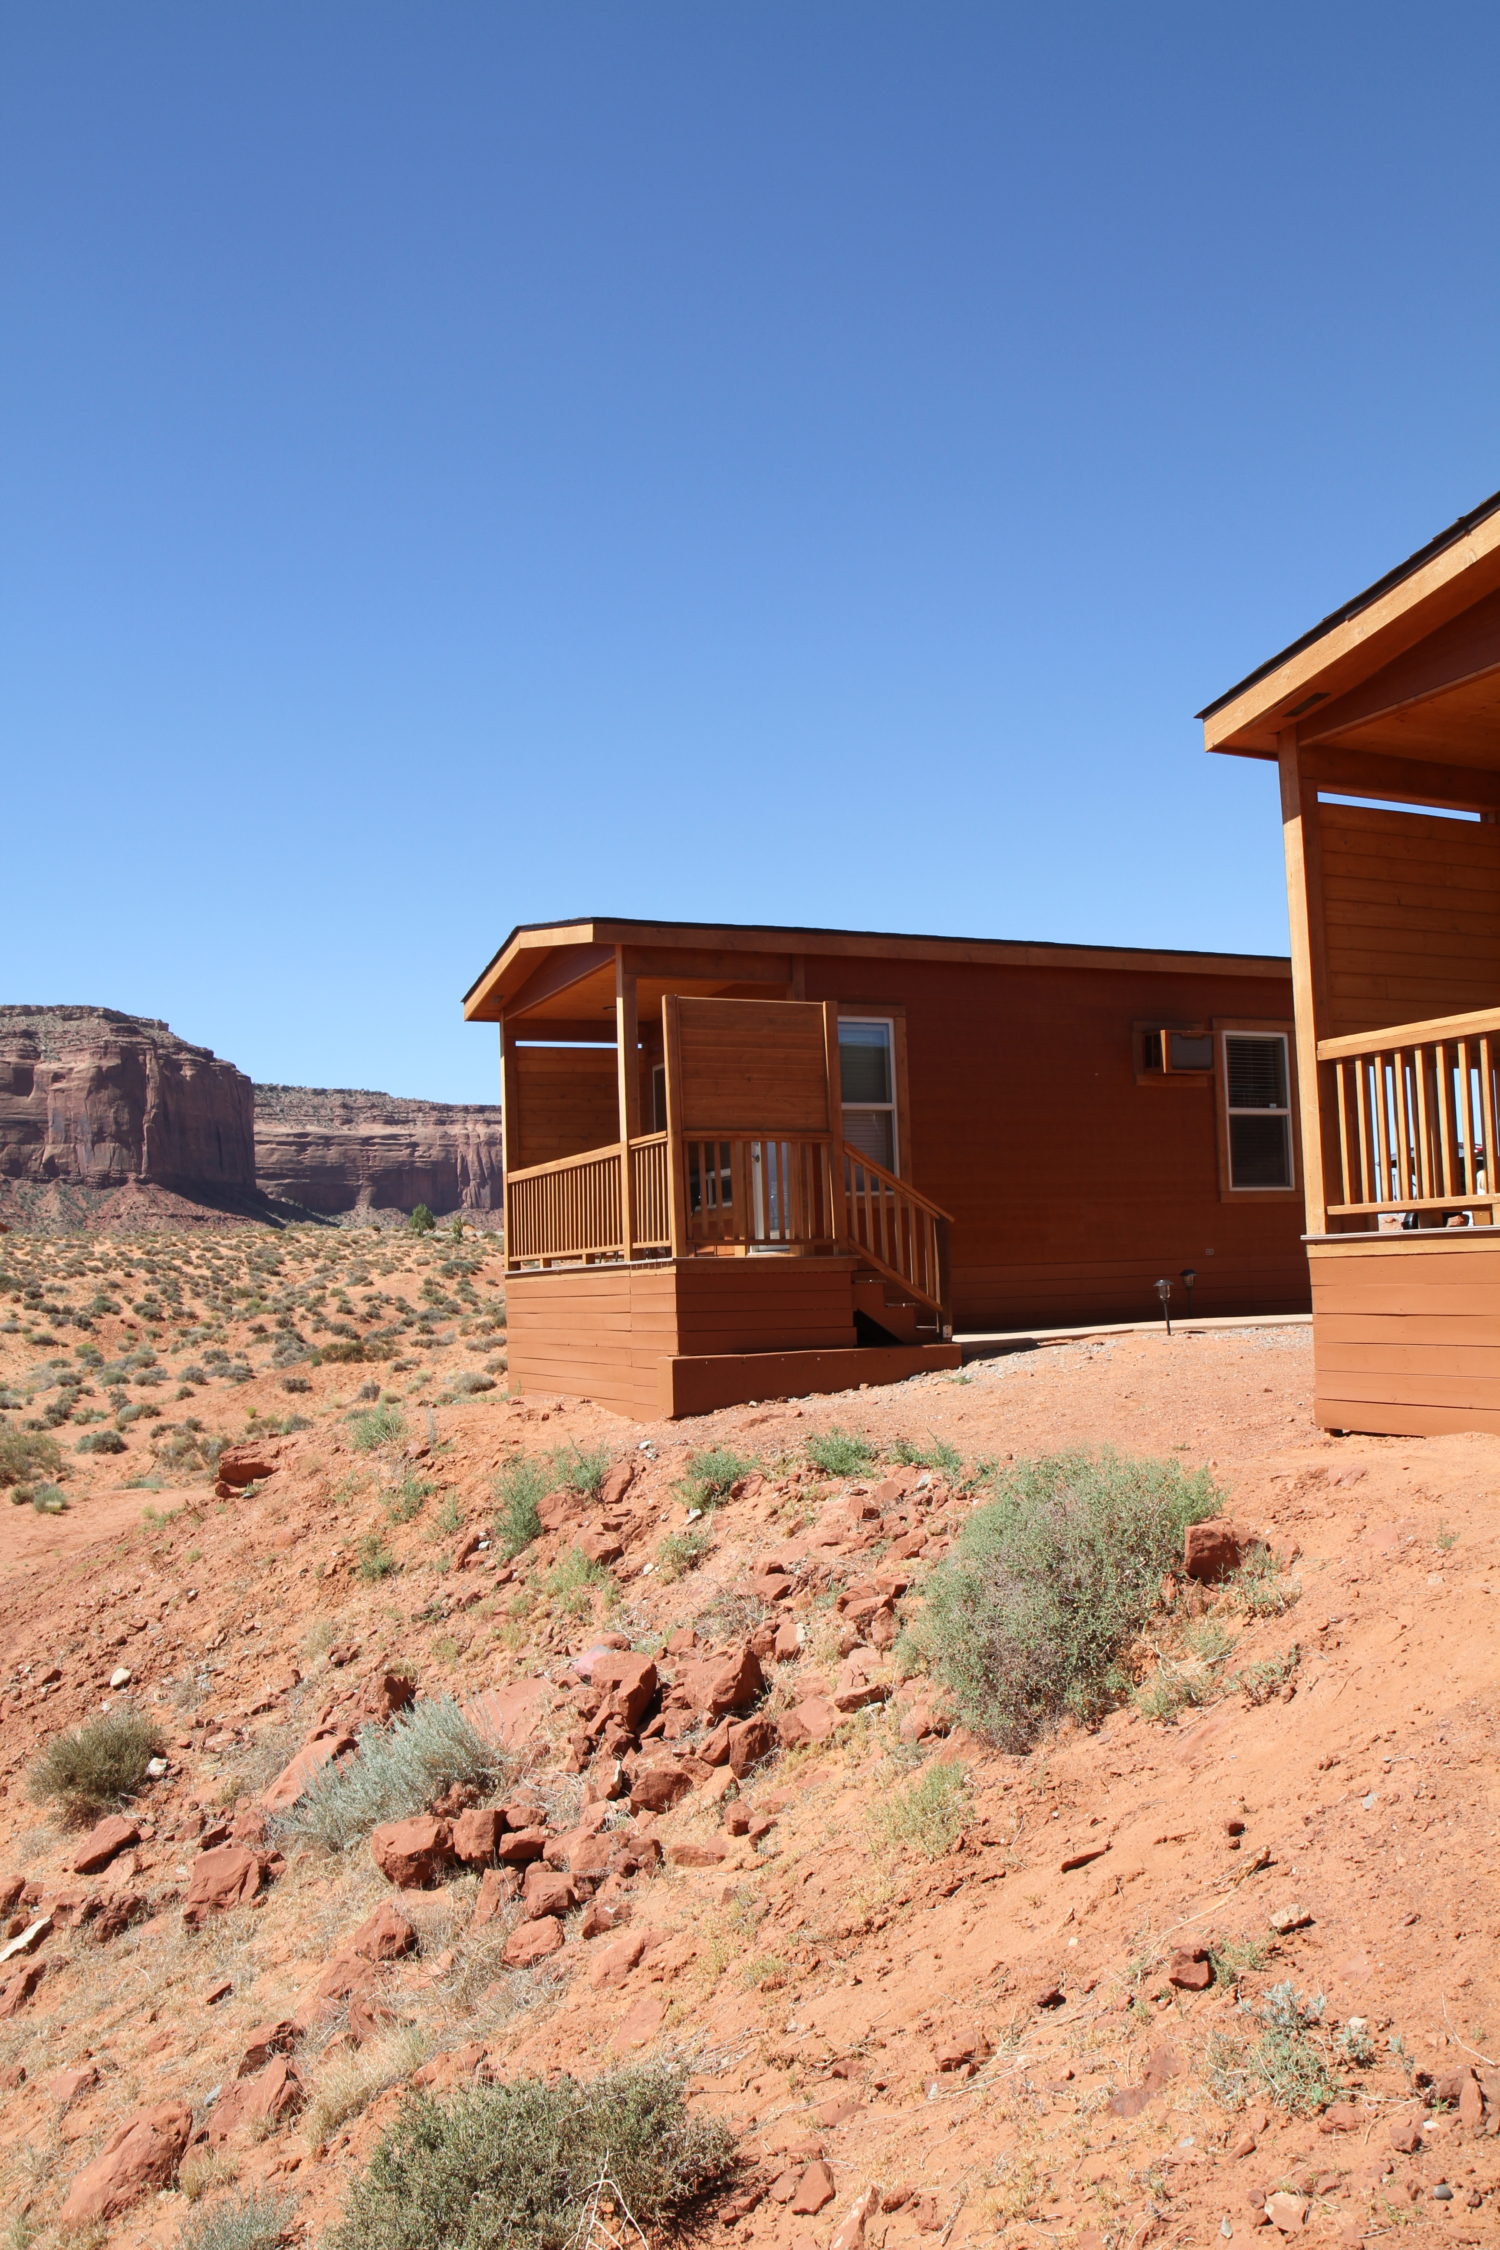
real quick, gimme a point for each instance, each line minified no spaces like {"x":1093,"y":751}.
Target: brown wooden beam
{"x":568,"y":966}
{"x":1410,"y":781}
{"x":1464,"y":649}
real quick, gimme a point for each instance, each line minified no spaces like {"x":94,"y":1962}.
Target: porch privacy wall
{"x":1395,"y":914}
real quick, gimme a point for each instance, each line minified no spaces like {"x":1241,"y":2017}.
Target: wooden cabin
{"x":751,"y":1163}
{"x":1384,"y":725}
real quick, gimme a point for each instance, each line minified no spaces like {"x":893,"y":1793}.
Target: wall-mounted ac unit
{"x":1178,"y":1053}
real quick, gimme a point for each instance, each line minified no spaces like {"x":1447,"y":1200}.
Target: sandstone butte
{"x":1008,"y":2027}
{"x":112,"y":1120}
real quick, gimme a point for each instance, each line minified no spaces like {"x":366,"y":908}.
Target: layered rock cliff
{"x":335,"y":1149}
{"x":93,"y":1098}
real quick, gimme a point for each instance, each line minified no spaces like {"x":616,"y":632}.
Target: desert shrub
{"x":1258,"y":1683}
{"x":257,"y":2221}
{"x":49,"y":1500}
{"x":1289,"y":2061}
{"x":1188,"y":1681}
{"x":421,"y":1220}
{"x":710,"y":1477}
{"x":1028,"y":1619}
{"x":373,"y":1559}
{"x":909,"y":1453}
{"x":581,"y":1469}
{"x":1261,"y":1587}
{"x":101,"y":1441}
{"x":510,"y":2167}
{"x":376,"y":1426}
{"x":469,"y":1382}
{"x":26,"y":1455}
{"x":680,"y":1552}
{"x":407,"y":1498}
{"x":573,"y":1581}
{"x":839,"y":1454}
{"x":395,"y":1771}
{"x":927,"y":1817}
{"x":520,"y":1485}
{"x":97,"y":1765}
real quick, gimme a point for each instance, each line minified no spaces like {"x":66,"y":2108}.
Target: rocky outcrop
{"x":96,"y":1098}
{"x":100,"y":1110}
{"x":334,"y":1150}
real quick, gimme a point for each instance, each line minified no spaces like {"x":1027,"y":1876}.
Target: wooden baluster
{"x":1487,"y":1115}
{"x":1466,"y":1118}
{"x":1400,"y":1098}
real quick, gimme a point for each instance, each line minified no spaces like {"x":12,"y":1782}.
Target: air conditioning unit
{"x":1178,"y":1053}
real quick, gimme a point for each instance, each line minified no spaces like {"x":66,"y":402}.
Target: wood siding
{"x":1074,"y":1183}
{"x":1411,"y":917}
{"x":750,"y":1066}
{"x":566,"y":1100}
{"x":1406,"y":1333}
{"x":622,"y":1335}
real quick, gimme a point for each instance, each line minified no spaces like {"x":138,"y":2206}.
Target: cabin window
{"x":1258,"y":1109}
{"x":867,"y":1085}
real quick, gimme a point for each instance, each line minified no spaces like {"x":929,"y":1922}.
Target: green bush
{"x":581,"y":1469}
{"x":97,"y":1765}
{"x":1026,"y":1621}
{"x":935,"y":1454}
{"x":512,"y":2167}
{"x":376,"y":1426}
{"x":680,"y":1552}
{"x":710,"y":1477}
{"x":26,"y":1455}
{"x":395,"y":1771}
{"x":520,"y":1485}
{"x":101,"y":1441}
{"x":1291,"y":2061}
{"x":839,"y":1454}
{"x":374,"y":1559}
{"x":421,"y":1220}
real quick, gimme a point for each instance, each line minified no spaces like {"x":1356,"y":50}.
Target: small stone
{"x":104,"y":1841}
{"x":121,"y":1676}
{"x":531,"y":1942}
{"x":219,"y":1990}
{"x":413,"y":1854}
{"x":812,"y":2192}
{"x":1190,"y":1969}
{"x":1287,"y":2211}
{"x":1289,"y":1918}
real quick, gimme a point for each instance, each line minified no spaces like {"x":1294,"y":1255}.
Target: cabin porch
{"x":711,"y":1235}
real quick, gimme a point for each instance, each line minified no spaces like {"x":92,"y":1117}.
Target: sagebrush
{"x":395,"y":1771}
{"x":98,"y":1765}
{"x":511,"y":2167}
{"x":256,"y":2221}
{"x":1029,"y":1617}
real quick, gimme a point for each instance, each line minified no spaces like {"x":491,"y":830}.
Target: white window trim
{"x":1288,"y":1186}
{"x":889,"y":1108}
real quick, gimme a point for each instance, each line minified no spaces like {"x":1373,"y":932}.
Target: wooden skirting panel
{"x":1406,"y":1333}
{"x":614,"y":1333}
{"x":699,"y":1385}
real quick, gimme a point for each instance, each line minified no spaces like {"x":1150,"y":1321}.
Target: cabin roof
{"x":530,"y":945}
{"x":1442,"y":578}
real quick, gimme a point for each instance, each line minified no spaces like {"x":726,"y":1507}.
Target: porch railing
{"x":1415,"y":1106}
{"x":806,"y":1194}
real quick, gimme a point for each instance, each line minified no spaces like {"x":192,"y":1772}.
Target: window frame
{"x":893,"y":1014}
{"x":1225,"y":1029}
{"x":1145,"y":1028}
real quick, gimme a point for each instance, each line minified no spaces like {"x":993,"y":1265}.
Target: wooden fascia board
{"x":483,"y":1000}
{"x":1351,"y":650}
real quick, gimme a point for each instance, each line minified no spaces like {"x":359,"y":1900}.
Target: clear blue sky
{"x":788,"y":460}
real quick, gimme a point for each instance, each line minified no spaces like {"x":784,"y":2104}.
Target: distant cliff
{"x":334,"y":1149}
{"x":96,"y":1105}
{"x":93,"y":1098}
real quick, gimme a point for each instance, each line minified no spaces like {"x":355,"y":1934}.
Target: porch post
{"x":1304,"y":886}
{"x":510,"y":1121}
{"x":677,"y":1193}
{"x":628,"y":1077}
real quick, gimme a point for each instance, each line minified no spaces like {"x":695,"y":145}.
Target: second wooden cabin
{"x":745,"y":1163}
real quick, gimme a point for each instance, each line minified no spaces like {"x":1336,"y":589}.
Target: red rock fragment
{"x":257,"y":2105}
{"x":477,"y":1834}
{"x":658,"y":1788}
{"x":264,"y":2041}
{"x":142,"y":2155}
{"x":1190,"y":1969}
{"x":413,"y":1854}
{"x":239,"y":1465}
{"x":813,"y":2191}
{"x":104,"y":1842}
{"x":228,"y":1876}
{"x":531,"y":1942}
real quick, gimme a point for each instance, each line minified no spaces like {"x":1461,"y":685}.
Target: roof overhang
{"x":564,"y":971}
{"x":1408,"y":606}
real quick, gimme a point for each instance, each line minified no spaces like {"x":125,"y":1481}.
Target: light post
{"x":1164,"y":1291}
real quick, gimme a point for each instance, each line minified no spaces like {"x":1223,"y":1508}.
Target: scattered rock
{"x":265,"y":2041}
{"x":1287,"y":2211}
{"x":477,"y":1834}
{"x":1213,"y":1551}
{"x":813,"y":2191}
{"x":531,"y":1942}
{"x":228,"y":1876}
{"x":413,"y":1854}
{"x":1190,"y":1969}
{"x":257,"y":2105}
{"x":141,"y":2156}
{"x":104,"y":1842}
{"x":658,"y":1788}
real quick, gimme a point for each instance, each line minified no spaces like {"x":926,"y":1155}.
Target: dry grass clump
{"x":511,"y":2167}
{"x":353,"y":2077}
{"x":257,"y":2221}
{"x":1028,"y":1620}
{"x":98,"y":1765}
{"x":925,"y":1819}
{"x":396,"y":1771}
